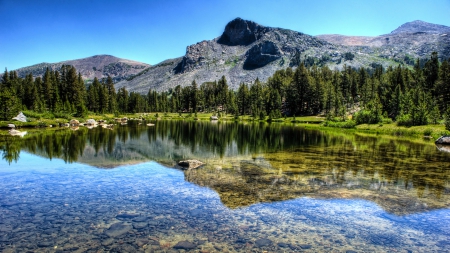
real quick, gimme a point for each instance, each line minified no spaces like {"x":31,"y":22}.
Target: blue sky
{"x":151,"y":31}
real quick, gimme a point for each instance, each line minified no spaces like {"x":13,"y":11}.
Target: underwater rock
{"x":262,"y":242}
{"x":117,"y":229}
{"x":190,"y":164}
{"x":185,"y":245}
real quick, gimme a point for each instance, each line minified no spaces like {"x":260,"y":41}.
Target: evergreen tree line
{"x":410,"y":96}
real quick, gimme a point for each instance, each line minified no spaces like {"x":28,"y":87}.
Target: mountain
{"x":412,"y":40}
{"x":99,"y":66}
{"x":246,"y":51}
{"x":419,"y":26}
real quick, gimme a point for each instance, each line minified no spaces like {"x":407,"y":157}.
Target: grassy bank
{"x":43,"y":120}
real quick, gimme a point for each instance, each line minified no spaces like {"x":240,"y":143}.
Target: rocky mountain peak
{"x":241,"y":32}
{"x":419,"y":26}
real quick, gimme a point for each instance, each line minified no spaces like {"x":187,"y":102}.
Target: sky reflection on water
{"x":244,"y":199}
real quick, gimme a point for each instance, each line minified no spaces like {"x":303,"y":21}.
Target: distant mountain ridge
{"x":416,"y":39}
{"x":247,"y":50}
{"x":421,"y":26}
{"x":100,"y":66}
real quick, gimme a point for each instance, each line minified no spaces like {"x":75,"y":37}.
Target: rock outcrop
{"x":241,"y":32}
{"x":262,"y":54}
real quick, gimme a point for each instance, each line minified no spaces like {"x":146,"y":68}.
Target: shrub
{"x":340,"y":124}
{"x":404,"y":120}
{"x":428,"y":132}
{"x":447,"y":119}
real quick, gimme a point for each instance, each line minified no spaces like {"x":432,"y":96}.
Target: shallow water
{"x":264,"y":188}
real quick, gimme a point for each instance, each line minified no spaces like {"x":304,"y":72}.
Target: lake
{"x":264,"y":187}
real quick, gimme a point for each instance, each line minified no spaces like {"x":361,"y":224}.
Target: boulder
{"x":14,"y":132}
{"x":443,"y":148}
{"x":74,"y":122}
{"x":443,"y":140}
{"x":20,"y":117}
{"x":11,"y":126}
{"x":190,"y":164}
{"x":91,"y":122}
{"x":118,"y":229}
{"x":185,"y":245}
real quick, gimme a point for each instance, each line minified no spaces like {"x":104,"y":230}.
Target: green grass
{"x":36,"y":120}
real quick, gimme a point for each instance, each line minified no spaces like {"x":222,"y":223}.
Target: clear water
{"x":264,"y":188}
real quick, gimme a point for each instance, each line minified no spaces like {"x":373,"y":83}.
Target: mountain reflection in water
{"x":248,"y":163}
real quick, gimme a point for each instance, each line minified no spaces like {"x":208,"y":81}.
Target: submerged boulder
{"x":443,"y":140}
{"x":185,"y":245}
{"x":190,"y":164}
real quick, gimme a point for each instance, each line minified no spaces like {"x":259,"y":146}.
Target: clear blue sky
{"x":151,"y":31}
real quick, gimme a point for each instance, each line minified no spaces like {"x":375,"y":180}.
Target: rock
{"x":305,"y":246}
{"x":126,"y":216}
{"x":443,"y":140}
{"x":185,"y":245}
{"x":91,"y":122}
{"x":443,"y":148}
{"x":107,"y":242}
{"x":44,"y":244}
{"x":190,"y":164}
{"x":150,"y":124}
{"x":74,"y":122}
{"x":117,"y":229}
{"x":14,"y":132}
{"x":214,"y":118}
{"x":141,"y":241}
{"x":11,"y":126}
{"x":20,"y":117}
{"x":283,"y":245}
{"x":241,"y":32}
{"x":262,"y":54}
{"x":262,"y":242}
{"x":140,"y":225}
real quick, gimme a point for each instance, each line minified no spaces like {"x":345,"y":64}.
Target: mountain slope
{"x":99,"y":66}
{"x":417,"y":39}
{"x":246,"y":51}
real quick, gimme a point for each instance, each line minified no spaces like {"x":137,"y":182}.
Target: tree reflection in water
{"x":253,"y":162}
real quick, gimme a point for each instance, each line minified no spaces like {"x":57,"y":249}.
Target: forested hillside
{"x":410,"y":96}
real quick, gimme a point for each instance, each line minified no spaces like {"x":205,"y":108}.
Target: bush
{"x":340,"y":124}
{"x":367,"y":117}
{"x":447,"y":119}
{"x":386,"y":120}
{"x":404,"y":120}
{"x":428,"y":132}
